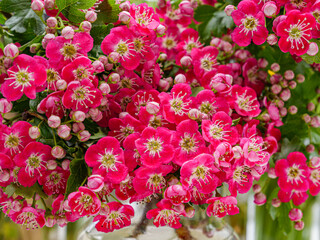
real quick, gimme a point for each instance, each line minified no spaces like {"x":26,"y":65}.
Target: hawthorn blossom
{"x":29,"y":217}
{"x":177,"y":194}
{"x":222,"y":206}
{"x":204,"y":60}
{"x":54,"y":181}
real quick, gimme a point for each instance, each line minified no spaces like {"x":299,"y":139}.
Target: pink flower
{"x":314,"y":181}
{"x":32,"y":162}
{"x":24,"y":77}
{"x":220,"y":83}
{"x":30,"y":218}
{"x":114,"y":216}
{"x":188,"y":142}
{"x":245,"y":101}
{"x":54,"y":181}
{"x":219,"y":129}
{"x":106,"y":157}
{"x":141,"y":99}
{"x":62,"y":51}
{"x":165,"y":215}
{"x":254,"y":151}
{"x":204,"y":60}
{"x":151,"y":180}
{"x":155,"y":147}
{"x":52,"y":105}
{"x":251,"y":24}
{"x":223,"y":154}
{"x":293,"y":172}
{"x":6,"y":164}
{"x":200,"y":173}
{"x":144,"y":17}
{"x":295,"y":32}
{"x":84,"y":202}
{"x":177,"y":195}
{"x":297,"y":197}
{"x":189,"y":39}
{"x":120,"y":41}
{"x":80,"y":96}
{"x":222,"y":206}
{"x":177,"y":104}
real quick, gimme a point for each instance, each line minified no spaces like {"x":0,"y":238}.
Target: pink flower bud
{"x":64,"y":131}
{"x":310,"y":148}
{"x":272,"y":173}
{"x":164,"y":85}
{"x":123,"y":114}
{"x":283,"y":112}
{"x":124,"y":17}
{"x":98,"y":66}
{"x":49,"y":4}
{"x":190,"y":211}
{"x":266,"y":117}
{"x":280,"y":103}
{"x":7,"y":62}
{"x":300,"y":78}
{"x":125,"y":6}
{"x":11,"y":50}
{"x":114,"y":78}
{"x":97,"y":117}
{"x":229,"y":9}
{"x":163,"y":57}
{"x":84,"y":136}
{"x":114,"y":57}
{"x":275,"y":67}
{"x":306,"y":117}
{"x":315,"y":121}
{"x":285,"y":95}
{"x":91,"y":16}
{"x":292,"y":84}
{"x":311,"y":106}
{"x":52,"y":165}
{"x":61,"y":85}
{"x":276,"y":89}
{"x":299,"y":225}
{"x":256,"y":188}
{"x":315,"y":162}
{"x":46,"y":39}
{"x":50,"y":221}
{"x":35,"y":47}
{"x":295,"y":214}
{"x":284,"y":83}
{"x":313,"y":49}
{"x":85,"y":26}
{"x":194,"y":114}
{"x":95,"y":183}
{"x":237,"y":151}
{"x":16,"y":206}
{"x":260,"y":199}
{"x":289,"y":75}
{"x":104,"y":88}
{"x":161,"y":29}
{"x":180,"y":78}
{"x":272,"y":39}
{"x":65,"y":164}
{"x":78,"y":116}
{"x":262,"y":63}
{"x":77,"y":127}
{"x":37,"y":6}
{"x":52,"y":22}
{"x":186,"y":61}
{"x":58,"y":152}
{"x":67,"y":32}
{"x":293,"y":109}
{"x":186,"y":8}
{"x":5,"y":105}
{"x":54,"y":121}
{"x":4,"y":176}
{"x":34,"y":132}
{"x":153,"y":107}
{"x":276,"y":202}
{"x":270,"y":9}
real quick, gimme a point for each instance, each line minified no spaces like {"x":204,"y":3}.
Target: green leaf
{"x":2,"y":19}
{"x":312,"y":59}
{"x":287,"y":147}
{"x":91,"y":126}
{"x":108,"y":12}
{"x":203,"y":13}
{"x":98,"y":135}
{"x":12,"y":6}
{"x":71,"y":8}
{"x":99,"y":32}
{"x":196,"y":90}
{"x":78,"y":170}
{"x":315,"y":135}
{"x":283,"y":220}
{"x":21,"y":105}
{"x":26,"y":192}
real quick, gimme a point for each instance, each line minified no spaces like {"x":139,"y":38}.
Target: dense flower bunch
{"x":158,"y":115}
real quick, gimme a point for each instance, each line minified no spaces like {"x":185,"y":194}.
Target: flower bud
{"x":34,"y":132}
{"x":49,"y":4}
{"x":315,"y":121}
{"x":52,"y":165}
{"x":98,"y":66}
{"x":262,"y":63}
{"x":275,"y":67}
{"x":256,"y":188}
{"x":58,"y":152}
{"x":37,"y":6}
{"x":125,"y":6}
{"x":292,"y":84}
{"x":276,"y":202}
{"x":260,"y":199}
{"x":54,"y":121}
{"x":194,"y":114}
{"x":289,"y":75}
{"x":283,"y":112}
{"x":313,"y":49}
{"x":50,"y":221}
{"x":5,"y":105}
{"x":306,"y":117}
{"x":46,"y":39}
{"x":95,"y":183}
{"x":186,"y":8}
{"x":84,"y":136}
{"x":311,"y":106}
{"x":229,"y":9}
{"x":64,"y":131}
{"x":153,"y":107}
{"x":52,"y":22}
{"x":77,"y":127}
{"x":61,"y":85}
{"x":295,"y":214}
{"x":161,"y":29}
{"x":4,"y":176}
{"x":299,"y":225}
{"x":16,"y":206}
{"x":163,"y":57}
{"x":276,"y":89}
{"x":315,"y":162}
{"x":67,"y":32}
{"x":293,"y":109}
{"x":270,"y":9}
{"x":35,"y":47}
{"x":124,"y":17}
{"x":272,"y":39}
{"x":180,"y":78}
{"x":91,"y":16}
{"x":104,"y":88}
{"x":7,"y":62}
{"x":85,"y":26}
{"x":190,"y":211}
{"x":284,"y":83}
{"x":114,"y":57}
{"x":65,"y":164}
{"x":285,"y":95}
{"x":272,"y":173}
{"x":186,"y":61}
{"x":310,"y":148}
{"x":11,"y":50}
{"x":78,"y":116}
{"x":300,"y":78}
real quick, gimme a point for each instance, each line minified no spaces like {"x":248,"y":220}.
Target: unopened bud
{"x":292,"y":110}
{"x":98,"y":66}
{"x":67,"y":32}
{"x":61,"y":85}
{"x":91,"y":16}
{"x":180,"y":78}
{"x":37,"y":6}
{"x":52,"y":22}
{"x":161,"y":29}
{"x":58,"y":152}
{"x":229,"y":9}
{"x":64,"y":131}
{"x":11,"y":50}
{"x":295,"y":214}
{"x":85,"y":26}
{"x":313,"y":49}
{"x":54,"y":121}
{"x":124,"y":17}
{"x":5,"y":105}
{"x":84,"y":136}
{"x":186,"y":61}
{"x":34,"y":132}
{"x":153,"y":107}
{"x":272,"y":39}
{"x":52,"y":165}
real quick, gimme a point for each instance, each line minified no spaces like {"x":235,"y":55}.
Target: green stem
{"x":115,"y":198}
{"x":44,"y":203}
{"x":54,"y":137}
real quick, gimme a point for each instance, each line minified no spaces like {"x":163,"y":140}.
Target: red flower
{"x":222,"y":206}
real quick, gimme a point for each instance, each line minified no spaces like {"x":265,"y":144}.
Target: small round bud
{"x":275,"y":67}
{"x":299,"y":225}
{"x":292,"y":84}
{"x":34,"y":132}
{"x":306,"y":117}
{"x":114,"y":57}
{"x":5,"y":105}
{"x":49,"y":4}
{"x":124,"y":17}
{"x":104,"y":88}
{"x":85,"y":26}
{"x":272,"y":173}
{"x":54,"y":121}
{"x":161,"y":29}
{"x":65,"y":164}
{"x":229,"y":9}
{"x":310,"y":148}
{"x":272,"y":39}
{"x":125,"y":6}
{"x":61,"y":85}
{"x":186,"y":61}
{"x":46,"y":39}
{"x":37,"y":6}
{"x":313,"y":49}
{"x":58,"y":152}
{"x":163,"y":57}
{"x":95,"y":183}
{"x":52,"y":22}
{"x":98,"y":66}
{"x":194,"y":114}
{"x":295,"y":214}
{"x":84,"y":136}
{"x":91,"y":16}
{"x":78,"y":116}
{"x":270,"y":9}
{"x":34,"y":48}
{"x":311,"y":106}
{"x":293,"y":109}
{"x":300,"y":78}
{"x":52,"y":165}
{"x":256,"y":188}
{"x":276,"y":202}
{"x":153,"y":107}
{"x":180,"y":78}
{"x":276,"y":89}
{"x":262,"y":63}
{"x":283,"y":112}
{"x":50,"y":221}
{"x":260,"y":199}
{"x":11,"y":50}
{"x":285,"y":95}
{"x":289,"y":75}
{"x":67,"y":32}
{"x":77,"y":127}
{"x":64,"y":131}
